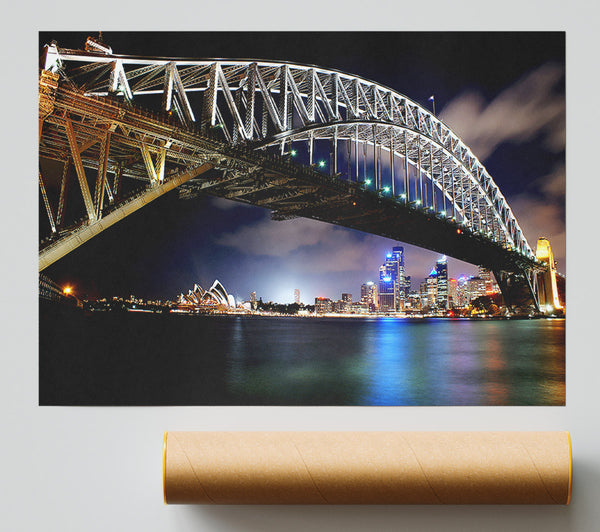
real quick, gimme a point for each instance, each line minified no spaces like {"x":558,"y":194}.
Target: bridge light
{"x":418,"y":202}
{"x":386,"y":189}
{"x":367,"y":182}
{"x":293,"y":153}
{"x":443,"y":213}
{"x":321,"y":163}
{"x":67,"y":290}
{"x":403,"y":196}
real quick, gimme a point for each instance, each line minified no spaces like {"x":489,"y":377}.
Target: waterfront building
{"x":490,"y":283}
{"x":392,"y":282}
{"x":413,"y":301}
{"x":359,"y":307}
{"x":462,"y":299}
{"x":428,"y":291}
{"x":441,"y":268}
{"x":453,"y":293}
{"x":323,"y":305}
{"x":214,"y":299}
{"x":297,"y":296}
{"x":476,"y":287}
{"x":369,"y":295}
{"x":252,"y":297}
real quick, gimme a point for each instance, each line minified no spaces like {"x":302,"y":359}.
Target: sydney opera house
{"x":215,"y":299}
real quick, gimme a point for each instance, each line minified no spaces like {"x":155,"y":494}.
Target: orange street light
{"x":67,"y":290}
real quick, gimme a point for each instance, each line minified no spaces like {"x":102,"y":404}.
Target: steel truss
{"x":265,"y":128}
{"x":383,"y":137}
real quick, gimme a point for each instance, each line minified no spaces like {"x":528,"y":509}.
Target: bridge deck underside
{"x":135,"y":139}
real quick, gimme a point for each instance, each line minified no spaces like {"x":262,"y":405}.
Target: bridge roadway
{"x":204,"y":163}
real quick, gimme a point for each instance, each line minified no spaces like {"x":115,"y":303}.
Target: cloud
{"x":277,"y":239}
{"x":227,"y":205}
{"x":553,"y":185}
{"x":528,"y":108}
{"x":304,"y":246}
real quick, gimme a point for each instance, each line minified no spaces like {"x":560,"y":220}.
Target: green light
{"x":403,"y":196}
{"x":418,"y":202}
{"x":367,"y":181}
{"x":321,"y":164}
{"x":386,"y":189}
{"x":443,"y":213}
{"x":293,"y":153}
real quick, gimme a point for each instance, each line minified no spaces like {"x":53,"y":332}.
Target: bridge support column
{"x":518,"y":290}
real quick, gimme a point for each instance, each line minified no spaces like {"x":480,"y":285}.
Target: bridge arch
{"x":277,"y":105}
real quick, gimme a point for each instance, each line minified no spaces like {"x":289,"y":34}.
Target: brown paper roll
{"x":367,"y":467}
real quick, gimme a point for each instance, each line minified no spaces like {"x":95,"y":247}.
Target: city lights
{"x":293,"y":153}
{"x":386,"y":189}
{"x":321,"y":163}
{"x":367,"y":182}
{"x":67,"y":290}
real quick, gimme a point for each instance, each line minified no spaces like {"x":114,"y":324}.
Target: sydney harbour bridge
{"x":300,"y":140}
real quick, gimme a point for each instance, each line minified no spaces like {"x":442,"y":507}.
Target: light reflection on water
{"x":227,"y":360}
{"x":387,"y":361}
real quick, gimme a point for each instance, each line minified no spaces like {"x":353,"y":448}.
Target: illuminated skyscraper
{"x":441,"y":268}
{"x":369,"y":295}
{"x":392,"y":283}
{"x":297,"y":296}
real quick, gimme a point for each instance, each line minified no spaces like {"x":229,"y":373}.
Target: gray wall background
{"x":98,"y":469}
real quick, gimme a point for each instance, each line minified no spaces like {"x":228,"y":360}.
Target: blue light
{"x":389,"y":255}
{"x":433,"y":273}
{"x":386,"y":279}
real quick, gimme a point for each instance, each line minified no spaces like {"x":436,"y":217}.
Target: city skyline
{"x":208,"y":238}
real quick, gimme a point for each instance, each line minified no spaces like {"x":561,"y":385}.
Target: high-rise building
{"x":369,"y":295}
{"x":476,"y":287}
{"x":323,"y":305}
{"x":452,"y":293}
{"x":253,"y":297}
{"x":431,"y":289}
{"x":490,"y":283}
{"x":441,"y":268}
{"x":297,"y":296}
{"x":392,"y":283}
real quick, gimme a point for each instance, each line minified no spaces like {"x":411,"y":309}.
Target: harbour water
{"x":150,"y":359}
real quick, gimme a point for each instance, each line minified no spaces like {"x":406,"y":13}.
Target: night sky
{"x":503,"y":93}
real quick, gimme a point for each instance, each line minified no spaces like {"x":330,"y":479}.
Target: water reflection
{"x":225,"y":360}
{"x":386,"y":361}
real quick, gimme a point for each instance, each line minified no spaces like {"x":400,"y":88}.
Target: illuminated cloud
{"x":227,"y":205}
{"x":528,"y":108}
{"x":311,"y":247}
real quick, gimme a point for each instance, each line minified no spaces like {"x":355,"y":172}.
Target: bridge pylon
{"x":532,"y":289}
{"x":547,"y":279}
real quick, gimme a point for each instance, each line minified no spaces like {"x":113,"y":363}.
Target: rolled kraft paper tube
{"x":367,"y":467}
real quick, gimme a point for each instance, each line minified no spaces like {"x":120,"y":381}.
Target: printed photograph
{"x":301,"y":218}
